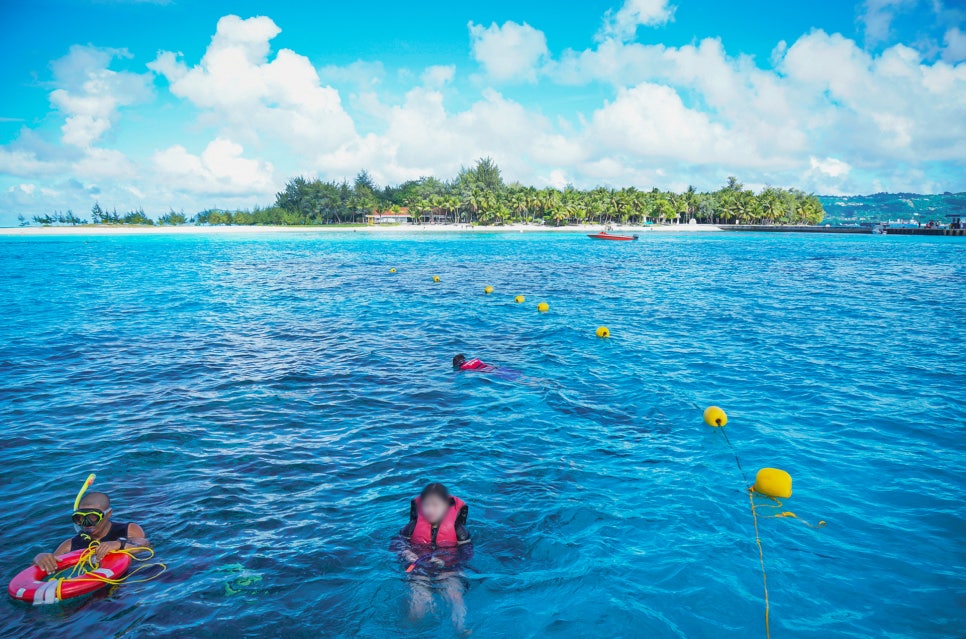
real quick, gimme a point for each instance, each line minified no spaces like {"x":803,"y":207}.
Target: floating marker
{"x":715,"y":417}
{"x":543,"y":307}
{"x":603,"y":331}
{"x":519,"y":299}
{"x":436,"y":278}
{"x":773,"y":482}
{"x":487,"y":290}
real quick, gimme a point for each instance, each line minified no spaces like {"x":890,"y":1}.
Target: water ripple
{"x":266,"y":406}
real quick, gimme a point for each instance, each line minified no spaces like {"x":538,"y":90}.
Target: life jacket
{"x":445,"y":534}
{"x":476,"y":365}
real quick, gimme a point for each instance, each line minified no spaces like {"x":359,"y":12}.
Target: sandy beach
{"x":109,"y":229}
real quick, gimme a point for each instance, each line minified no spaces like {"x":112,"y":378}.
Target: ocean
{"x":266,"y":406}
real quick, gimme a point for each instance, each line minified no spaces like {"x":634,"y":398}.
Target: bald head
{"x":100,"y":501}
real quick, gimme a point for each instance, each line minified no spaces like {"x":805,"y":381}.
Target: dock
{"x":924,"y":231}
{"x":779,"y":228}
{"x":853,"y":230}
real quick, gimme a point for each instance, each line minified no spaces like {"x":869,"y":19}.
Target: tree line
{"x":479,"y":195}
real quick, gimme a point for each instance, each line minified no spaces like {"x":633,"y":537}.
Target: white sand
{"x":101,"y":229}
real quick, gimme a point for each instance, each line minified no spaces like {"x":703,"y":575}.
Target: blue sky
{"x":190,"y":105}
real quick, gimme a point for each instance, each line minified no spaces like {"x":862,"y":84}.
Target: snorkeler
{"x":435,"y":544}
{"x":92,"y":519}
{"x":461,"y":363}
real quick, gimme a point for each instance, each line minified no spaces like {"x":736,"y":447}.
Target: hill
{"x":881,"y":207}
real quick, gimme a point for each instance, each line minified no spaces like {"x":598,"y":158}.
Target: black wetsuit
{"x":116,"y":533}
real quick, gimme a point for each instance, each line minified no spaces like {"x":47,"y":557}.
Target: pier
{"x":854,"y":230}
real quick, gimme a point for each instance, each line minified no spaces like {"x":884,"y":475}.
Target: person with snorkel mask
{"x":92,"y":521}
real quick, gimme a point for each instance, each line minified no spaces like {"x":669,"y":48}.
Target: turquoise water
{"x":266,"y":406}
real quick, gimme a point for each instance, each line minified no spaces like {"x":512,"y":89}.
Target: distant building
{"x":389,"y":217}
{"x":434,"y":218}
{"x":956,"y":220}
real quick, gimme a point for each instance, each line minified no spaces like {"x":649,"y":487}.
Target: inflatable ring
{"x":30,"y":585}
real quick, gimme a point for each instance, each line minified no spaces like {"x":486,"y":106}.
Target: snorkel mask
{"x":78,"y":528}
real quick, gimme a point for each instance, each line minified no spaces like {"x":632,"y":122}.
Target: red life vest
{"x":477,"y":365}
{"x":446,"y":535}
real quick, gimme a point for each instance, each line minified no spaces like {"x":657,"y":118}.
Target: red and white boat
{"x":604,"y":235}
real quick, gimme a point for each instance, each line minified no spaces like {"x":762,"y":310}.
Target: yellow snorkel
{"x":87,"y":484}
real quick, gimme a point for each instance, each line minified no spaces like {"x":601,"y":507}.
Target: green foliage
{"x":57,"y":219}
{"x":882,"y":207}
{"x":485,"y":175}
{"x":97,"y":214}
{"x":137,"y":217}
{"x":171,"y":218}
{"x":478,"y":195}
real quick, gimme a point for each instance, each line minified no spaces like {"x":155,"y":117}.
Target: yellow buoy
{"x":436,"y":278}
{"x":392,"y":270}
{"x":519,"y":299}
{"x":543,"y":307}
{"x":714,"y":416}
{"x":603,"y":331}
{"x":488,"y":289}
{"x":773,"y":482}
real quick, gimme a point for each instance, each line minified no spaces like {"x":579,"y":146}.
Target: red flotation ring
{"x":32,"y":585}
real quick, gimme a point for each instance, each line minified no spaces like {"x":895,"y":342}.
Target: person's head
{"x":459,"y":360}
{"x":93,"y":515}
{"x":434,"y":502}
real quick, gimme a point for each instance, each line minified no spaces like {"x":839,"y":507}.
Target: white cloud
{"x":219,"y":170}
{"x":558,"y":179}
{"x":650,"y":121}
{"x":508,"y":53}
{"x":623,"y":23}
{"x":955,"y":41}
{"x":257,"y":100}
{"x":421,"y":138}
{"x":361,"y":73}
{"x":825,"y":114}
{"x":830,"y":167}
{"x":439,"y":75}
{"x":104,"y":164}
{"x":877,"y":17}
{"x":25,"y":163}
{"x":826,"y":95}
{"x":879,"y":108}
{"x":90,"y":93}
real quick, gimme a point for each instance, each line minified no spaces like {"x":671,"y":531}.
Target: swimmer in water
{"x":434,"y":545}
{"x":460,"y":363}
{"x":92,"y":519}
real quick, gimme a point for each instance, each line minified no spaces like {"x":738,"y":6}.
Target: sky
{"x":187,"y":105}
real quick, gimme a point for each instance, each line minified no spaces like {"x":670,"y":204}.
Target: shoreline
{"x":123,"y":230}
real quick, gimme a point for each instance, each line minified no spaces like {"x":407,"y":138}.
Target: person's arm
{"x":464,"y":550}
{"x":400,"y":543}
{"x":462,"y":534}
{"x":47,"y":561}
{"x":135,"y":539}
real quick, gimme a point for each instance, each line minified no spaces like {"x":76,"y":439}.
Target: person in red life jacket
{"x":93,"y":523}
{"x":434,"y":545}
{"x":462,"y":364}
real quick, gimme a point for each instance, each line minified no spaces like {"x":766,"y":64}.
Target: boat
{"x":604,"y":235}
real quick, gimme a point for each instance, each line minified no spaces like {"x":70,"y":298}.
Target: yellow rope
{"x":761,"y":554}
{"x":82,"y":570}
{"x":761,"y":559}
{"x":754,"y":515}
{"x":786,"y":514}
